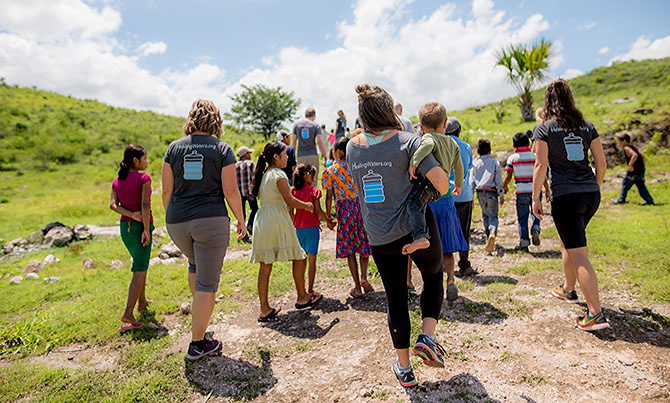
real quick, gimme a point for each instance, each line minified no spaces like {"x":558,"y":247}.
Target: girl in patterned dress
{"x":351,"y":235}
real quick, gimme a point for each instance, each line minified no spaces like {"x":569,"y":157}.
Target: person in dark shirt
{"x":285,"y":138}
{"x":635,"y":173}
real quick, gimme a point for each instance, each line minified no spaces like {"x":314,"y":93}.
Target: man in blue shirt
{"x":463,"y":202}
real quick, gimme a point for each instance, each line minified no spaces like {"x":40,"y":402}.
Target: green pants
{"x":133,"y":241}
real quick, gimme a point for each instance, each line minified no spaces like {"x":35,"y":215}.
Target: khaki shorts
{"x":312,"y":160}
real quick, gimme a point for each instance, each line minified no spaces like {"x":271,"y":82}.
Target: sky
{"x":161,"y":55}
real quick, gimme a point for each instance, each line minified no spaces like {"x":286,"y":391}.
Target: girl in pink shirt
{"x":131,"y":198}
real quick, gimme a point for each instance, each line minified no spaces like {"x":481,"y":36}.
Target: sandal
{"x":313,"y":299}
{"x":269,"y":316}
{"x":354,"y":295}
{"x":126,"y":328}
{"x":367,"y":287}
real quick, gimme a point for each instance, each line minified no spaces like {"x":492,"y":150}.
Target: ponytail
{"x":299,"y":175}
{"x":264,"y":159}
{"x":131,"y":152}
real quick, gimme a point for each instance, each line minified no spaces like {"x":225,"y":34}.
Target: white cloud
{"x":587,"y":26}
{"x":438,"y":57}
{"x":571,"y":73}
{"x":152,"y":48}
{"x":644,"y":48}
{"x":604,"y":50}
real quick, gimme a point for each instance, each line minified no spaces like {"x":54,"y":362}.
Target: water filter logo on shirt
{"x":305,"y":133}
{"x":373,"y":188}
{"x":193,"y":166}
{"x":574,"y":147}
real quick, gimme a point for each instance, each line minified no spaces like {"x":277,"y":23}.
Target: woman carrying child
{"x":131,"y":197}
{"x":351,"y":236}
{"x":307,"y":223}
{"x":274,"y":238}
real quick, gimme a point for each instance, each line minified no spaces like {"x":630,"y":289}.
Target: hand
{"x":631,"y":169}
{"x":241,"y":230}
{"x":137,"y":216}
{"x":505,"y":189}
{"x":146,"y":238}
{"x":537,"y":209}
{"x":331,"y":223}
{"x":457,"y":191}
{"x":412,"y":172}
{"x":309,"y":207}
{"x":502,"y":200}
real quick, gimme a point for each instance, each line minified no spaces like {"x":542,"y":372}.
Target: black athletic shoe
{"x":452,"y":293}
{"x":211,"y":347}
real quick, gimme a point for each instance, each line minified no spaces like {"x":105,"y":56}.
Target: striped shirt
{"x":522,"y":163}
{"x":245,"y":175}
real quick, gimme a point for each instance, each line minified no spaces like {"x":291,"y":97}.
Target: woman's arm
{"x":232,"y":195}
{"x":596,"y":148}
{"x":285,"y":191}
{"x":539,"y":175}
{"x":146,"y":212}
{"x":167,"y":183}
{"x":116,"y":206}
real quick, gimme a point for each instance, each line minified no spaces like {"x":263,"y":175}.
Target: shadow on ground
{"x":330,"y":305}
{"x":460,"y":388}
{"x":229,"y":378}
{"x":376,"y":302}
{"x":301,"y":324}
{"x":639,"y":327}
{"x":485,"y":280}
{"x":151,"y":328}
{"x":469,"y":311}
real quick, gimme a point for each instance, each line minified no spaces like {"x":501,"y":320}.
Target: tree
{"x":263,"y":108}
{"x":527,"y":66}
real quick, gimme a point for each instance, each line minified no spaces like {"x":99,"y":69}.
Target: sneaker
{"x":567,"y":296}
{"x":618,"y":201}
{"x":490,"y":244}
{"x":521,"y":248}
{"x":405,"y":377}
{"x":211,"y":347}
{"x":452,"y":293}
{"x":535,"y":238}
{"x":591,"y":323}
{"x":465,"y":272}
{"x":430,"y":351}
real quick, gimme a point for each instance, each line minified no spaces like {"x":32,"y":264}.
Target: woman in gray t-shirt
{"x":198,"y":174}
{"x":379,"y":161}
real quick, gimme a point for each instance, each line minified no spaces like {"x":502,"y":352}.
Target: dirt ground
{"x":506,"y":338}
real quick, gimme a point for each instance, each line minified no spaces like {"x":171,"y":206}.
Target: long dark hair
{"x":267,"y":156}
{"x":560,"y":105}
{"x":375,"y":109}
{"x":341,"y":145}
{"x":131,"y":152}
{"x":299,"y":175}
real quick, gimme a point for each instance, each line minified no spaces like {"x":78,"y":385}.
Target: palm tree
{"x":527,"y":65}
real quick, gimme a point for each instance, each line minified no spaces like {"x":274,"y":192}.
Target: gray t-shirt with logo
{"x":196,"y":162}
{"x":568,"y":157}
{"x":306,"y":130}
{"x":381,"y":175}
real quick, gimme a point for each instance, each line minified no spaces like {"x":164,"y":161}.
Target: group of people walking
{"x":399,"y":197}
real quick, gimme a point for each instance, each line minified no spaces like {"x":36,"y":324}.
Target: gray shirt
{"x":568,"y":157}
{"x":409,"y":127}
{"x":306,"y":130}
{"x":486,"y":174}
{"x":196,"y":162}
{"x":380,"y":173}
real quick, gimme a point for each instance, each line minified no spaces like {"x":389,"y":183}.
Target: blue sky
{"x":160,"y":55}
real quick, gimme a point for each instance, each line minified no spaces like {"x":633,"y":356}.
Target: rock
{"x":89,"y":263}
{"x":171,"y":249}
{"x":625,"y":360}
{"x":82,"y":232}
{"x":32,"y":276}
{"x":51,"y":279}
{"x":50,"y":226}
{"x":157,"y":260}
{"x":643,"y":111}
{"x":116,"y":264}
{"x":49,"y":260}
{"x":623,"y":100}
{"x":163,"y":255}
{"x":35,"y":237}
{"x":160,"y":232}
{"x":12,"y":246}
{"x":33,"y":267}
{"x":16,"y":280}
{"x":58,"y":236}
{"x":185,"y":308}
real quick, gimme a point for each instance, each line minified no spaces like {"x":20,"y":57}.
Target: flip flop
{"x":313,"y":299}
{"x":131,"y":326}
{"x":411,"y":290}
{"x":269,"y":316}
{"x":353,"y":295}
{"x":367,"y":287}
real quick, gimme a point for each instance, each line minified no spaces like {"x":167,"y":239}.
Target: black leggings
{"x":392,"y":267}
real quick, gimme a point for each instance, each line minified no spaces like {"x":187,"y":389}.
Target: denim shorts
{"x":309,"y":239}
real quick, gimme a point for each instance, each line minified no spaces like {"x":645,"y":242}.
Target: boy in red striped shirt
{"x":520,"y":165}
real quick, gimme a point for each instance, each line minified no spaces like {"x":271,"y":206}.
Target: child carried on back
{"x":433,"y":119}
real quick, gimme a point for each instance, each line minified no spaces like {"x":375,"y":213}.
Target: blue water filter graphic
{"x":193,"y":166}
{"x":574,"y":147}
{"x":304,"y":133}
{"x":373,"y":188}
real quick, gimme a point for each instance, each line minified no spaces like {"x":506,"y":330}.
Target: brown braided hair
{"x":375,"y":109}
{"x":204,"y":117}
{"x":560,"y":105}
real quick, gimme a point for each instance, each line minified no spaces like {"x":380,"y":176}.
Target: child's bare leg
{"x":311,"y":273}
{"x":353,"y":269}
{"x":133,"y":294}
{"x":367,"y":287}
{"x":142,"y":301}
{"x":299,"y":267}
{"x":263,"y":284}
